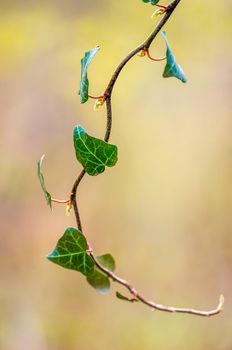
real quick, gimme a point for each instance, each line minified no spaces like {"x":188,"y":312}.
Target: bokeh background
{"x":164,"y":211}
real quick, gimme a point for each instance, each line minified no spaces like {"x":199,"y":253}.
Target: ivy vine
{"x":72,"y":250}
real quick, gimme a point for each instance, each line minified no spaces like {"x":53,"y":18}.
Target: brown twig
{"x":107,"y":96}
{"x":152,"y":304}
{"x":74,"y":200}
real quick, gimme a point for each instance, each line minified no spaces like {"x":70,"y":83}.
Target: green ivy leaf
{"x":70,"y":252}
{"x":107,"y":261}
{"x":98,"y":279}
{"x":122,"y":297}
{"x":84,"y":84}
{"x":42,"y":183}
{"x":172,"y":69}
{"x":94,"y":154}
{"x":153,"y":2}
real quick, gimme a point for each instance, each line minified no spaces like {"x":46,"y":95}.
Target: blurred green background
{"x":164,"y":211}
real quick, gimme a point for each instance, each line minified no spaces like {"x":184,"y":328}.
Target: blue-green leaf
{"x":98,"y":279}
{"x":70,"y":252}
{"x":84,"y":84}
{"x":153,"y":2}
{"x":42,"y":183}
{"x":94,"y":154}
{"x":172,"y":69}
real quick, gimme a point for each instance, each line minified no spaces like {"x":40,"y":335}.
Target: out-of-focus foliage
{"x":169,"y":223}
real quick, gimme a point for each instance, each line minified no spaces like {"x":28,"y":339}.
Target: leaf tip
{"x":221,"y":301}
{"x":50,"y":256}
{"x":79,"y":130}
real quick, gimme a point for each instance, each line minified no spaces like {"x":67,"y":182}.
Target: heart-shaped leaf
{"x":42,"y":183}
{"x":70,"y":252}
{"x":84,"y":84}
{"x":94,"y":154}
{"x":98,"y":279}
{"x":153,"y":2}
{"x":122,"y":297}
{"x":172,"y":69}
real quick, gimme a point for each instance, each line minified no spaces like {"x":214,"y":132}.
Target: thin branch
{"x":74,"y":200}
{"x":109,"y":118}
{"x":152,"y":304}
{"x":107,"y":95}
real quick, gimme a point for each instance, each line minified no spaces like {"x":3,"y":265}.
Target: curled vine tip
{"x":221,"y":302}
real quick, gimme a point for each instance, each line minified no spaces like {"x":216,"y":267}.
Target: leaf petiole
{"x":61,"y":201}
{"x":154,"y":58}
{"x":162,"y":7}
{"x":96,"y":97}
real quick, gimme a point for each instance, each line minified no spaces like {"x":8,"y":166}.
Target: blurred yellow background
{"x":164,"y":212}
